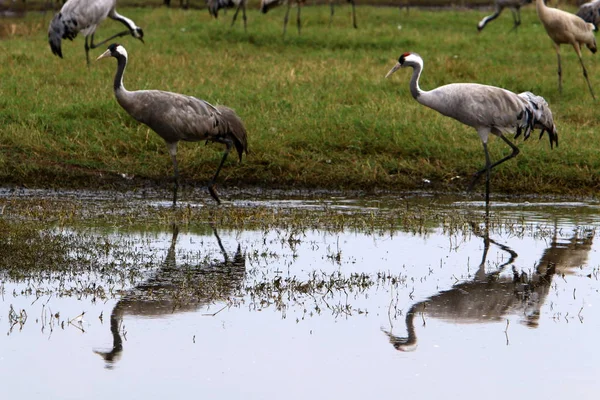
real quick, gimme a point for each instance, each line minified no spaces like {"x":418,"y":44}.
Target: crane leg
{"x":94,"y":45}
{"x":331,"y":14}
{"x":516,"y":19}
{"x":87,"y":50}
{"x":488,"y":168}
{"x":173,"y":152}
{"x":354,"y":14}
{"x":244,"y":15}
{"x":559,"y":70}
{"x":585,"y":74}
{"x":211,"y":183}
{"x":298,"y":17}
{"x":237,"y":10}
{"x":285,"y":19}
{"x":477,"y":175}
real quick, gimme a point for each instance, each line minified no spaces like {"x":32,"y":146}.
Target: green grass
{"x":317,"y":107}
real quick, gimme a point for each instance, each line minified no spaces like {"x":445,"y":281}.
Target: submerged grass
{"x":318,"y":111}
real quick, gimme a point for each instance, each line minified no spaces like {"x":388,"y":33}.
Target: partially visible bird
{"x":488,"y":109}
{"x":176,"y":117}
{"x":590,"y":12}
{"x":515,"y":8}
{"x":84,"y":16}
{"x":266,"y":5}
{"x":567,"y":28}
{"x":215,"y":5}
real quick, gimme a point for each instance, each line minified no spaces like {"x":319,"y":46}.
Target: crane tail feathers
{"x":60,"y":29}
{"x":536,"y":115}
{"x":235,"y":129}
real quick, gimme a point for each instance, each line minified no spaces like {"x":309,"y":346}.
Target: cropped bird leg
{"x":477,"y":175}
{"x":211,"y":183}
{"x":173,"y":152}
{"x":585,"y":74}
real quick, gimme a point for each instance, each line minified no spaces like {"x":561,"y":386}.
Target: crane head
{"x":405,"y":60}
{"x":138,"y":33}
{"x":114,"y":50}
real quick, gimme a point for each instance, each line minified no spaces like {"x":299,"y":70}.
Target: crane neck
{"x":541,"y":7}
{"x":121,"y":64}
{"x":415,"y":90}
{"x":124,"y":20}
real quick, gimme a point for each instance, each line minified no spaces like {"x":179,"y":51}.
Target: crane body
{"x":84,"y":16}
{"x":176,"y":117}
{"x":488,"y":109}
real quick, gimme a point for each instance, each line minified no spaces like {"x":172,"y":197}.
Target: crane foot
{"x":213,"y":193}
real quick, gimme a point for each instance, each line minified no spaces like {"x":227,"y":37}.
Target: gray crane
{"x":567,"y":28}
{"x":266,"y":5}
{"x":84,"y":16}
{"x":515,"y":8}
{"x":590,"y":12}
{"x":488,"y":109}
{"x":215,"y":5}
{"x":176,"y":117}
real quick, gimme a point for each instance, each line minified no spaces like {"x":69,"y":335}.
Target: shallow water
{"x":316,"y":313}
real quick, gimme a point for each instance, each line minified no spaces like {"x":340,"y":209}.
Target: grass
{"x":318,"y":111}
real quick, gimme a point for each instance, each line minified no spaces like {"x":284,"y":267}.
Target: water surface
{"x":204,"y":311}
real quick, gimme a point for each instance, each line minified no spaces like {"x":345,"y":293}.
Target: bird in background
{"x":488,"y":109}
{"x":266,"y":5}
{"x":84,"y":16}
{"x":567,"y":28}
{"x":590,"y":12}
{"x":515,"y":8}
{"x":215,"y":5}
{"x":176,"y":117}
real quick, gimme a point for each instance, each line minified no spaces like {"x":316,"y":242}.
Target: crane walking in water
{"x":84,"y":16}
{"x":488,"y":109}
{"x":515,"y":8}
{"x":567,"y":28}
{"x":176,"y":117}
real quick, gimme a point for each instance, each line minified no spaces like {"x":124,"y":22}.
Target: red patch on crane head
{"x":402,"y":57}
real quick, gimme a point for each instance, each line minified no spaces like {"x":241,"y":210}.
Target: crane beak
{"x":394,"y":69}
{"x":104,"y":55}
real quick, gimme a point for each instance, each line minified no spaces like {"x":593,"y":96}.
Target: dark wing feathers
{"x":590,"y":12}
{"x":536,"y":114}
{"x":234,"y":128}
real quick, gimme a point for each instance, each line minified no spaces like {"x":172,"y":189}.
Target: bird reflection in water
{"x":174,"y":289}
{"x":490,"y":297}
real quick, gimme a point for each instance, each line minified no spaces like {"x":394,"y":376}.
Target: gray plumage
{"x":567,"y":28}
{"x":266,"y":5}
{"x":590,"y":12}
{"x":176,"y":117}
{"x":84,"y":16}
{"x":488,"y":109}
{"x":215,"y":5}
{"x":515,"y":8}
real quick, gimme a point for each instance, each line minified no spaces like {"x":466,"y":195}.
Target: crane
{"x":515,"y":8}
{"x":266,"y":5}
{"x":84,"y":16}
{"x":590,"y":12}
{"x":215,"y":5}
{"x":567,"y":28}
{"x":488,"y":109}
{"x":176,"y":117}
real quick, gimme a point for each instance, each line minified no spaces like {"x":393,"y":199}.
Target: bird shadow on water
{"x":174,"y":289}
{"x":491,"y":297}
